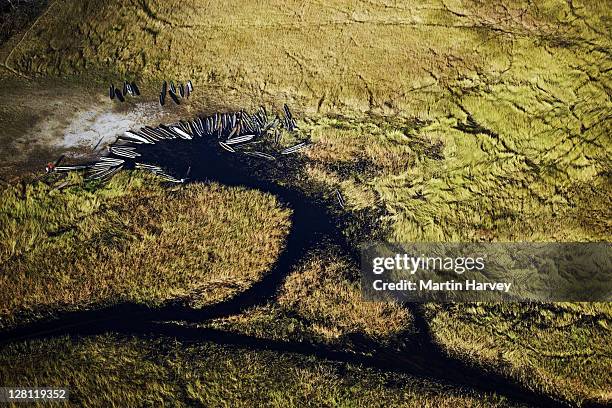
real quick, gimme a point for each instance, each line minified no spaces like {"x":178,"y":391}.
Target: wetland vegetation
{"x":444,"y":120}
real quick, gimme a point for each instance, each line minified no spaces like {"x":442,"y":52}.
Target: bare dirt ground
{"x":46,"y":118}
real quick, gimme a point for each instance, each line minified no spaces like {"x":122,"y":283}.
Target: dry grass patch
{"x":133,"y":240}
{"x":321,"y":302}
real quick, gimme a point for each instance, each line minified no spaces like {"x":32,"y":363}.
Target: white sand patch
{"x":98,"y":127}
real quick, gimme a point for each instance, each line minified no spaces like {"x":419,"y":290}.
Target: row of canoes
{"x":129,"y":88}
{"x":253,"y":135}
{"x":175,"y":91}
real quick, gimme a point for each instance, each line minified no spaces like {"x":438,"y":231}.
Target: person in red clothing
{"x":50,"y":167}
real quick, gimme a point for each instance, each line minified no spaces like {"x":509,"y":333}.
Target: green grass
{"x":132,"y":239}
{"x":437,"y":183}
{"x":112,"y":371}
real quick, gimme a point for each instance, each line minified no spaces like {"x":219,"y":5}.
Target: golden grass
{"x":320,"y":301}
{"x":563,"y":349}
{"x":322,"y":292}
{"x":359,"y":55}
{"x":133,"y":240}
{"x":531,"y":76}
{"x":111,"y":371}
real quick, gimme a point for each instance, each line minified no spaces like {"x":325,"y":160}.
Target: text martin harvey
{"x":451,"y":285}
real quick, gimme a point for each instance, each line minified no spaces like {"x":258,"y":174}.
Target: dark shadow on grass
{"x":312,"y":225}
{"x":417,"y":361}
